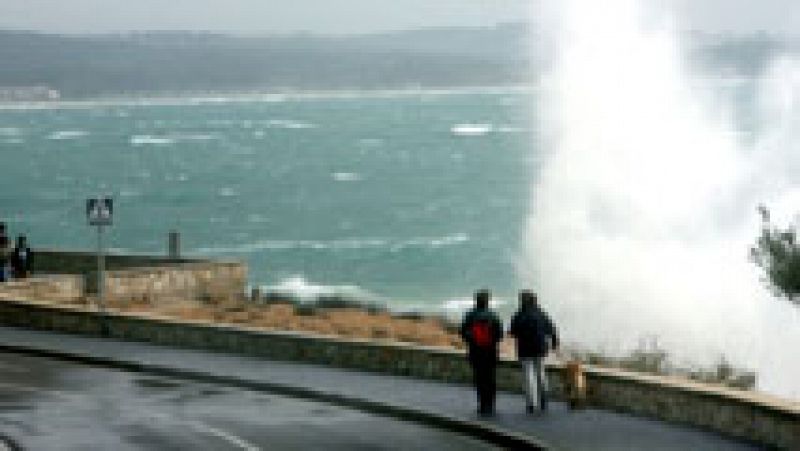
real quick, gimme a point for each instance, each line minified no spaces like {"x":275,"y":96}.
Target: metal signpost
{"x":99,"y":213}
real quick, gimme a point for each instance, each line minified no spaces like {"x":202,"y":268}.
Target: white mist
{"x":645,"y":206}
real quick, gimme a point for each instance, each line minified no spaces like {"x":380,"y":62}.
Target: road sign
{"x":99,"y":211}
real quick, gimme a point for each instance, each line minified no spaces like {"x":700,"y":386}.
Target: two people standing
{"x":16,"y":262}
{"x":482,"y":330}
{"x":5,"y":253}
{"x":21,"y":259}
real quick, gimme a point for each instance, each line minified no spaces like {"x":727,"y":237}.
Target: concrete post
{"x":101,"y":269}
{"x":255,"y":296}
{"x":174,"y":251}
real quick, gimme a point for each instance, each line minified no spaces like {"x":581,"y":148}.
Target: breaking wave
{"x":391,"y":245}
{"x":471,"y":129}
{"x":644,"y":210}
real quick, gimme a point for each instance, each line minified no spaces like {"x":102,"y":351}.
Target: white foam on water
{"x":150,"y":140}
{"x":10,"y":131}
{"x":471,"y":129}
{"x":421,"y":94}
{"x":392,"y":245}
{"x":346,"y":176}
{"x":227,"y":192}
{"x":644,"y":210}
{"x":67,"y":134}
{"x":130,"y":193}
{"x":289,"y":124}
{"x":194,"y":136}
{"x":510,"y":129}
{"x":299,"y":287}
{"x":257,"y":219}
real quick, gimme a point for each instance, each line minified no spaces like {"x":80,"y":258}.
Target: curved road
{"x":47,"y":404}
{"x":588,"y":429}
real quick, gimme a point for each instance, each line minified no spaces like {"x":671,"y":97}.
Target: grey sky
{"x":254,"y":16}
{"x":781,"y":16}
{"x":349,"y":16}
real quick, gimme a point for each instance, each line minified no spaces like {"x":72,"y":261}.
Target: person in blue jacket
{"x":22,"y":259}
{"x":536,"y":336}
{"x":5,"y":253}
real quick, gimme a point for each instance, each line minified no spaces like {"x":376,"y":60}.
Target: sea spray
{"x":644,"y":209}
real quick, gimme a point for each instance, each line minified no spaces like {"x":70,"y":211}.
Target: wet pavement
{"x":53,"y":405}
{"x":588,"y":429}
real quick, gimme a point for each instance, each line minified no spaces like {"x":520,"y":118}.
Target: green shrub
{"x":777,"y":253}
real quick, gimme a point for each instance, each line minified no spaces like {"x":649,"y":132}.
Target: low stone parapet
{"x":56,"y":287}
{"x":748,"y":416}
{"x":147,"y":278}
{"x":206,"y":281}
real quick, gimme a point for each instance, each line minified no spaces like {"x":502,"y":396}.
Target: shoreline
{"x":257,"y":96}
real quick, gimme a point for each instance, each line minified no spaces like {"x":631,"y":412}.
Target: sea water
{"x":412,"y":198}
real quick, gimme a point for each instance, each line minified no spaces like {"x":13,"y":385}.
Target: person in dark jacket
{"x":482,"y":331}
{"x":21,"y":258}
{"x":5,"y":253}
{"x":535,"y":336}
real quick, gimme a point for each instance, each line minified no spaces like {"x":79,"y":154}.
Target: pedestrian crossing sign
{"x":99,"y":211}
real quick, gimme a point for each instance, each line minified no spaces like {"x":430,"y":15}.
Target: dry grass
{"x":343,"y":322}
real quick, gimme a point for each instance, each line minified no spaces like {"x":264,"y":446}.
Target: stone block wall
{"x":57,"y":287}
{"x":212,"y":282}
{"x":148,"y":278}
{"x":744,"y":415}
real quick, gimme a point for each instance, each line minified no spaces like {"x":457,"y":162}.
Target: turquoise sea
{"x":414,"y":198}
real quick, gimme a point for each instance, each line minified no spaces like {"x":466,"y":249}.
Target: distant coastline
{"x":257,"y":96}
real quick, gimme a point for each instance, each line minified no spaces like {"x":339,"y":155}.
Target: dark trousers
{"x":483,"y":372}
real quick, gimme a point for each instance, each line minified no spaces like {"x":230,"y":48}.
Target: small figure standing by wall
{"x":482,"y":331}
{"x":536,"y":336}
{"x":22,"y":258}
{"x":5,"y":253}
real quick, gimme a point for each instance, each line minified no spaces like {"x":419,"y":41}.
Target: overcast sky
{"x":350,"y":16}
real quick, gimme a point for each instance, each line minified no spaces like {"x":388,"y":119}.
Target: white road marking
{"x":41,"y":390}
{"x":232,"y":439}
{"x":237,"y":442}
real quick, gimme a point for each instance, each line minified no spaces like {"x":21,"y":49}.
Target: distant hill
{"x":150,"y":62}
{"x":175,"y":62}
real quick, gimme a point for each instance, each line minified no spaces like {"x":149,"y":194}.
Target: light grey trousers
{"x":535,"y":381}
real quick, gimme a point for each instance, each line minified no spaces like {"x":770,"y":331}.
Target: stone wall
{"x":744,"y":415}
{"x":148,"y":278}
{"x":211,"y":282}
{"x":57,"y":287}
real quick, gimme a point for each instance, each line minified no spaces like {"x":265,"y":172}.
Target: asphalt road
{"x":589,"y":429}
{"x":53,"y":405}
